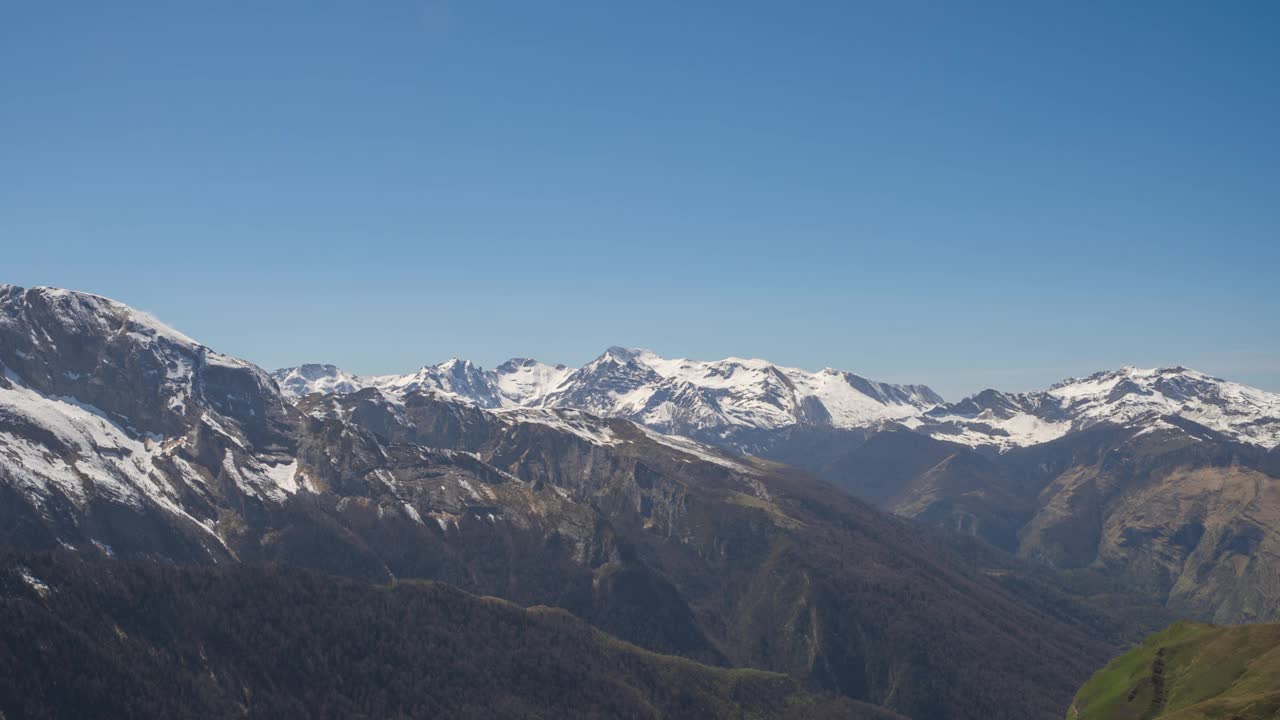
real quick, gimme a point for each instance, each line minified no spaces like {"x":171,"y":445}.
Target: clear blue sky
{"x":965,"y":194}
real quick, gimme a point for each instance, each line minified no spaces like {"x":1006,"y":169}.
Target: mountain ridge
{"x":721,"y":401}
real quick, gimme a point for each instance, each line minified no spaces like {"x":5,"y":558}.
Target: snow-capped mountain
{"x":324,"y":379}
{"x":691,"y":396}
{"x":731,"y":401}
{"x":521,"y":382}
{"x":121,"y":436}
{"x":682,"y":397}
{"x":102,"y":406}
{"x":456,"y":378}
{"x":1148,"y":399}
{"x":518,"y":382}
{"x":120,"y":432}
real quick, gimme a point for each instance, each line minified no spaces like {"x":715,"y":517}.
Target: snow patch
{"x":698,"y":450}
{"x":575,"y":422}
{"x":42,"y":589}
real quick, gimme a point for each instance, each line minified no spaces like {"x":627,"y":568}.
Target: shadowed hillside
{"x":102,"y":638}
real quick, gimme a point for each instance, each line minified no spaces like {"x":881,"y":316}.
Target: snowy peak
{"x":625,"y":354}
{"x":456,"y":378}
{"x":143,"y":373}
{"x":1129,"y":396}
{"x":306,"y":379}
{"x":1113,"y":385}
{"x":101,"y":403}
{"x":519,"y":382}
{"x":524,"y":382}
{"x":616,"y":381}
{"x":45,"y":310}
{"x":88,"y":313}
{"x":993,"y":403}
{"x":464,"y":379}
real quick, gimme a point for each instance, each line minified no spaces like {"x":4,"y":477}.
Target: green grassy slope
{"x":1189,"y":671}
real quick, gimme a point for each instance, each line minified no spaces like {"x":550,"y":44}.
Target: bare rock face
{"x":1189,"y":516}
{"x":1194,"y":520}
{"x":130,"y":366}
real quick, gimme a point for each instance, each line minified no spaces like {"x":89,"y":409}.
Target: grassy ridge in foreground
{"x":1189,"y":671}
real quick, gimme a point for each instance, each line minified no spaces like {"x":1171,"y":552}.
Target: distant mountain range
{"x":732,"y":401}
{"x":683,"y":397}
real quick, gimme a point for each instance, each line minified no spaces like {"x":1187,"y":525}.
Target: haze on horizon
{"x":991,"y":195}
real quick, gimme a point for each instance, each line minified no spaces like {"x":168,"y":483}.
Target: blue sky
{"x":961,"y":194}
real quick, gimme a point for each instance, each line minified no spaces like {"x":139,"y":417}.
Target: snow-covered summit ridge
{"x":1127,"y":396}
{"x":80,"y":308}
{"x":713,"y":399}
{"x":675,"y":395}
{"x":124,"y":360}
{"x":42,"y":311}
{"x":672,"y":395}
{"x":155,"y":380}
{"x":313,"y":378}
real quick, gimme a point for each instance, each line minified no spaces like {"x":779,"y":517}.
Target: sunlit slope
{"x":1187,"y":672}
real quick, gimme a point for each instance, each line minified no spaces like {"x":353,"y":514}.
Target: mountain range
{"x":1066,"y":476}
{"x":702,"y":510}
{"x":732,"y":401}
{"x":683,"y":397}
{"x":122,"y":438}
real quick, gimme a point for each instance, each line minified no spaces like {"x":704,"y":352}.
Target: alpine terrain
{"x":122,"y":438}
{"x":1166,"y":477}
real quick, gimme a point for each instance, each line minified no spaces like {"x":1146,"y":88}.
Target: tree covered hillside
{"x":83,"y":637}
